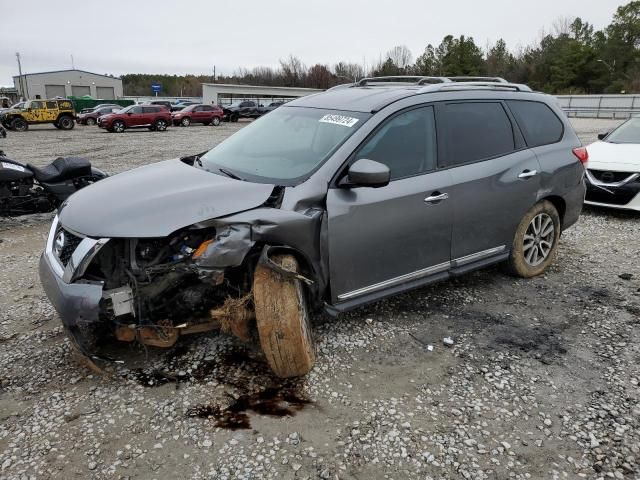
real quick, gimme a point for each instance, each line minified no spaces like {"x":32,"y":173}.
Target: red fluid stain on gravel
{"x":282,"y":401}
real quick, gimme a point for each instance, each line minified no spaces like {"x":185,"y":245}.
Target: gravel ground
{"x":541,"y":381}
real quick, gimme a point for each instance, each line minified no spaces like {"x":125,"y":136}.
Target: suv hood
{"x":157,"y":199}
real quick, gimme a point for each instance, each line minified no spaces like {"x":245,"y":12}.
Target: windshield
{"x":628,"y":132}
{"x":126,"y":109}
{"x":285,"y":146}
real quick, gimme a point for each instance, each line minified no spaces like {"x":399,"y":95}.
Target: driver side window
{"x":406,"y":143}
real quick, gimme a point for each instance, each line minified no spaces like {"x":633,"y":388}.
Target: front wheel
{"x":185,"y":122}
{"x":215,"y":121}
{"x":90,"y":121}
{"x":118,"y":126}
{"x":19,"y":125}
{"x":160,"y":125}
{"x":282,"y":318}
{"x":536,"y":241}
{"x":66,"y":123}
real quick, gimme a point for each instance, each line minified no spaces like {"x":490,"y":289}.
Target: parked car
{"x":16,"y":106}
{"x":244,"y":109}
{"x":332,"y":201}
{"x":198,"y":113}
{"x":269,"y":108}
{"x":58,"y":112}
{"x":176,"y":107}
{"x":102,"y":105}
{"x":613,"y":176}
{"x":91,"y":117}
{"x":165,"y":103}
{"x":153,"y":117}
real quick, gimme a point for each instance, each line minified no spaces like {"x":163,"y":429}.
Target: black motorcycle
{"x":25,"y":188}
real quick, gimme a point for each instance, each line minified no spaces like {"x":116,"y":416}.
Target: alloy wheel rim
{"x":538,"y":239}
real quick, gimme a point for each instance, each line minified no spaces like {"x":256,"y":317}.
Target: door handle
{"x":528,"y":174}
{"x":436,"y":197}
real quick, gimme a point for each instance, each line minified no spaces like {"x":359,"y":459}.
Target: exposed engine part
{"x":162,"y":335}
{"x":121,"y":301}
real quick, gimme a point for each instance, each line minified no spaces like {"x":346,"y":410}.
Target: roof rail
{"x":477,"y":79}
{"x":475,"y":85}
{"x":416,"y":79}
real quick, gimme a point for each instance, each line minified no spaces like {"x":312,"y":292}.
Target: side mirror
{"x":368,"y":173}
{"x":602,"y":135}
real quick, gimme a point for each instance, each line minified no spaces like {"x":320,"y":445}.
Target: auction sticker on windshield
{"x":339,"y":120}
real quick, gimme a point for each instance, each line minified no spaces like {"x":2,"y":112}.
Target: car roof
{"x":372,"y":94}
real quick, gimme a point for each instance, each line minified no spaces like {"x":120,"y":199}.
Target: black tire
{"x":19,"y":124}
{"x":185,"y":122}
{"x":535,"y":243}
{"x":118,"y":126}
{"x":66,"y":122}
{"x":282,"y":319}
{"x":160,"y":125}
{"x":215,"y":121}
{"x":90,"y":121}
{"x":234,"y":117}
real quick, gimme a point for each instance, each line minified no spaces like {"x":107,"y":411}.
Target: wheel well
{"x":62,"y":115}
{"x":560,"y":205}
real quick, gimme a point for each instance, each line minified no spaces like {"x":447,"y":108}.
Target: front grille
{"x":606,"y":176}
{"x":65,"y":245}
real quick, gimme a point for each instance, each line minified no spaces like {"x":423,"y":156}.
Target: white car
{"x":613,"y":171}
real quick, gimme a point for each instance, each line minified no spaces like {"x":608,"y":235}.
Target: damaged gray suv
{"x":331,"y":201}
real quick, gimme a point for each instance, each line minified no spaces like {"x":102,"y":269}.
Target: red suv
{"x":154,"y":117}
{"x":197,"y":113}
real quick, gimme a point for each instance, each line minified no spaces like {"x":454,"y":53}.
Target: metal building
{"x":65,"y":83}
{"x":215,"y":92}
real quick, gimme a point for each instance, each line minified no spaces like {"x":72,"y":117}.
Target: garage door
{"x":105,"y":93}
{"x":53,"y":91}
{"x":80,"y":90}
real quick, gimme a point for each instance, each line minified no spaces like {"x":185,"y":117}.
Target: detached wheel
{"x":19,"y":125}
{"x":185,"y":122}
{"x":215,"y":121}
{"x":66,"y":123}
{"x":536,"y":241}
{"x":118,"y":126}
{"x":160,"y":125}
{"x":90,"y":121}
{"x":282,"y":318}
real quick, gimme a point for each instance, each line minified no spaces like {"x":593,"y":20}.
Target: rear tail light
{"x":582,"y":154}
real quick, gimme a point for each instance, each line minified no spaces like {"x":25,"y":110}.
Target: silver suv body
{"x":369,"y":189}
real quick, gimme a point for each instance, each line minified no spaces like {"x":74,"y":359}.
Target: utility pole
{"x":23,"y":88}
{"x":214,"y":74}
{"x":73,"y":67}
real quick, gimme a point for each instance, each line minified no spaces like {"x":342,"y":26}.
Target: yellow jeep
{"x":58,"y":112}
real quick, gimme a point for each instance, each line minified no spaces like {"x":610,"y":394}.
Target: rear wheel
{"x":536,"y":241}
{"x":215,"y":121}
{"x":185,"y":122}
{"x":282,"y":318}
{"x":19,"y":125}
{"x":66,"y":123}
{"x":118,"y":126}
{"x":160,"y":125}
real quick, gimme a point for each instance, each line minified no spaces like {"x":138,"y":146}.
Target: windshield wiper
{"x":229,"y":174}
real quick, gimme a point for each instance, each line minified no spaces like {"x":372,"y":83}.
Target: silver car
{"x":329,"y":202}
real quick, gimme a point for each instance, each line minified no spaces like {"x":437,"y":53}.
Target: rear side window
{"x":405,"y":143}
{"x":52,"y":105}
{"x":150,"y":109}
{"x":539,"y":125}
{"x":474,"y":131}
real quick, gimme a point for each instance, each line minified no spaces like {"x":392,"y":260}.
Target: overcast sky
{"x":191,"y":36}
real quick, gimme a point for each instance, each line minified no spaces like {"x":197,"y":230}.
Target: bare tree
{"x":401,"y":56}
{"x":293,"y":71}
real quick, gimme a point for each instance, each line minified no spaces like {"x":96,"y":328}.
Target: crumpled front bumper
{"x":77,"y":303}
